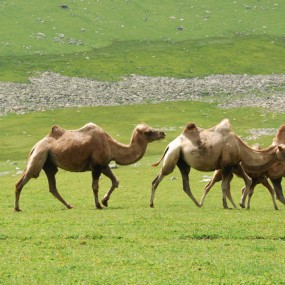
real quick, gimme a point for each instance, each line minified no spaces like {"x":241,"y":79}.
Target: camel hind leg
{"x":154,"y":185}
{"x":35,"y":164}
{"x":50,"y":171}
{"x":184,"y":170}
{"x":19,"y":186}
{"x":266,"y":184}
{"x":278,"y":189}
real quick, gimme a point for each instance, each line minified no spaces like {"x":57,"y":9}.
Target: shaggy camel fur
{"x":212,"y":149}
{"x":88,"y":149}
{"x":274,"y":173}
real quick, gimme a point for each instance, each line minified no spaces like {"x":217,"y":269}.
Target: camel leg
{"x":115,"y":183}
{"x":247,"y":181}
{"x":278,"y":189}
{"x":266,"y":184}
{"x":50,"y":171}
{"x":154,"y":185}
{"x":19,"y":186}
{"x":35,"y":163}
{"x":216,"y":177}
{"x":250,"y":193}
{"x":184,"y":170}
{"x":225,"y":186}
{"x":228,"y":192}
{"x":96,"y":172}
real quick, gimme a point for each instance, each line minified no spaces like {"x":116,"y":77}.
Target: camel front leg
{"x":278,"y":189}
{"x":185,"y":170}
{"x":50,"y":171}
{"x":115,"y":184}
{"x":96,"y":172}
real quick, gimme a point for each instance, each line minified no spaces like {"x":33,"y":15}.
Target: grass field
{"x":130,"y":243}
{"x":106,"y":40}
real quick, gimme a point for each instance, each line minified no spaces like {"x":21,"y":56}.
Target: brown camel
{"x":88,"y":149}
{"x":274,"y":173}
{"x":212,"y":149}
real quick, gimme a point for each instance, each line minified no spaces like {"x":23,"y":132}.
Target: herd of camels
{"x":217,"y":149}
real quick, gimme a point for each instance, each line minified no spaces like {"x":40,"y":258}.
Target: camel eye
{"x":149,"y":133}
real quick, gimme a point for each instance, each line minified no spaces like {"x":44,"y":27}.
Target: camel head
{"x":149,"y":133}
{"x":280,"y":136}
{"x":281,"y":152}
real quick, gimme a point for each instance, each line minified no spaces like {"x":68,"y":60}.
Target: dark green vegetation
{"x":109,"y":39}
{"x":130,"y":243}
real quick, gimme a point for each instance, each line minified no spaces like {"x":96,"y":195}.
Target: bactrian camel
{"x":274,"y":173}
{"x":88,"y":149}
{"x":212,"y":149}
{"x":257,"y":178}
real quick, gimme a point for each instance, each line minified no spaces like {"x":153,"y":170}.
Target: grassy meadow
{"x":128,"y":242}
{"x":107,"y":40}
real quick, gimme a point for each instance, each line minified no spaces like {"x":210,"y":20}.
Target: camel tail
{"x":158,"y":162}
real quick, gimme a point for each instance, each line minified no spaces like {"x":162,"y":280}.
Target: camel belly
{"x":201,"y":160}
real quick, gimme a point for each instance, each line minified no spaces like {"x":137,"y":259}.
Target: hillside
{"x":109,"y":39}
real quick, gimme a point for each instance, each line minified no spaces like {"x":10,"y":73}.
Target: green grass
{"x":130,"y":243}
{"x":106,"y":40}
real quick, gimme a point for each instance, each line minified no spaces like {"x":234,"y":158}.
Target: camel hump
{"x":88,"y":127}
{"x":223,"y":127}
{"x":280,"y":136}
{"x":56,"y":131}
{"x":190,"y":127}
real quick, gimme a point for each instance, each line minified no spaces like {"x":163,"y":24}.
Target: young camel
{"x":212,"y":149}
{"x":88,"y":149}
{"x":274,"y":173}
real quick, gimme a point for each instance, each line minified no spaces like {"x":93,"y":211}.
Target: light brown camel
{"x":257,"y":178}
{"x":88,"y":149}
{"x":212,"y":149}
{"x":274,"y":173}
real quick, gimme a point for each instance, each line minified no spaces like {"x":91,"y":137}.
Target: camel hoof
{"x":99,"y":207}
{"x":242,"y":205}
{"x":105,"y":203}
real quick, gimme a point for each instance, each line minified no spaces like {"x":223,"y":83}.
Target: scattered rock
{"x":53,"y":91}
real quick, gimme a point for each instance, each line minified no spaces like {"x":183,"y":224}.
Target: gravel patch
{"x":53,"y":91}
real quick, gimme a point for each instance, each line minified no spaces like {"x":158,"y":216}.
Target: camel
{"x":274,"y":173}
{"x":212,"y":149}
{"x":89,"y":148}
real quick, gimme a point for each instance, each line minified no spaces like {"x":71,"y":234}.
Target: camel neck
{"x":128,"y":154}
{"x":257,"y":160}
